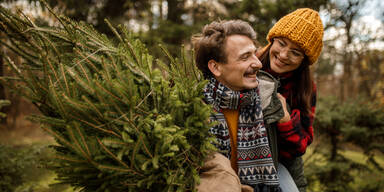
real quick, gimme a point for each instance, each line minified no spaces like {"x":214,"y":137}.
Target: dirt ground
{"x":23,"y":135}
{"x":18,"y":130}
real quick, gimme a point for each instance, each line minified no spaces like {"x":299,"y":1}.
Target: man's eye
{"x":244,"y":57}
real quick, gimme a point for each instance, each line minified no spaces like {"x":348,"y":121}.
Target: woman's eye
{"x":296,"y":53}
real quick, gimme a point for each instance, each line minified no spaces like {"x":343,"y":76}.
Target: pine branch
{"x":121,"y":124}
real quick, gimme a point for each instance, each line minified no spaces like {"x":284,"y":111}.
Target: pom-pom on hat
{"x":304,"y":27}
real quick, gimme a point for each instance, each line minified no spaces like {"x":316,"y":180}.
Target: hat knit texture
{"x":304,"y":27}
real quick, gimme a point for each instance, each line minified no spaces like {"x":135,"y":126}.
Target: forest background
{"x":347,"y":154}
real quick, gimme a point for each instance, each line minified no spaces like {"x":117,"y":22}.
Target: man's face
{"x":239,"y":72}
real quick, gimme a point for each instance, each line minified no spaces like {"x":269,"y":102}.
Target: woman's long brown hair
{"x":302,"y":88}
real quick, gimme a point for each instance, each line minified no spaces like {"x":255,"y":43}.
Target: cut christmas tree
{"x":120,"y":123}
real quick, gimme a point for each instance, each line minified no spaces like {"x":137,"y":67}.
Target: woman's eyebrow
{"x":298,"y":49}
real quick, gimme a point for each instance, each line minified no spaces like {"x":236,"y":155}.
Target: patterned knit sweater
{"x":232,"y":117}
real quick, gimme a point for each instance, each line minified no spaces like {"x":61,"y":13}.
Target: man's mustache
{"x":251,"y":71}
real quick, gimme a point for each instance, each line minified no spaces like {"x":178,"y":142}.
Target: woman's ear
{"x":214,"y":67}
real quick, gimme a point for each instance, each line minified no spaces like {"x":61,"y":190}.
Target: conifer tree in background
{"x":120,"y":123}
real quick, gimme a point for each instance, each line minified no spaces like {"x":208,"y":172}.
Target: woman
{"x":295,"y":43}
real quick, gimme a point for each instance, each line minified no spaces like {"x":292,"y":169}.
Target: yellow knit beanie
{"x":304,"y":27}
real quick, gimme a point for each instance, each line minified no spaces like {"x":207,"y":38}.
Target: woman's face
{"x":284,"y":55}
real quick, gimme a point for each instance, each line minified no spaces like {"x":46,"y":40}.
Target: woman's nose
{"x":283,"y":54}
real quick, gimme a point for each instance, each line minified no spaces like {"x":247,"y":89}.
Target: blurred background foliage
{"x":347,"y":154}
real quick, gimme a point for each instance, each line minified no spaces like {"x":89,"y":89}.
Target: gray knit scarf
{"x":254,"y":158}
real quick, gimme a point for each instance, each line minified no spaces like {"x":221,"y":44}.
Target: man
{"x":226,"y":55}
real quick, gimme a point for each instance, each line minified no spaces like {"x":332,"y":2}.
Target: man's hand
{"x":287,"y":116}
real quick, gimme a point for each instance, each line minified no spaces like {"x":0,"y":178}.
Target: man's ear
{"x":214,"y":67}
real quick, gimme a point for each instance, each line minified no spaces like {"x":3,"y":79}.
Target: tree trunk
{"x":175,"y":10}
{"x":3,"y":121}
{"x":334,"y":146}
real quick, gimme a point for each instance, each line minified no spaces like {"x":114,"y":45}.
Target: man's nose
{"x":256,"y":63}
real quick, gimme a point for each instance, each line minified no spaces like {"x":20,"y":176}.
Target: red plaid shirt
{"x":296,"y":134}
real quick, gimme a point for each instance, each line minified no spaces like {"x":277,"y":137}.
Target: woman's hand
{"x":287,"y":116}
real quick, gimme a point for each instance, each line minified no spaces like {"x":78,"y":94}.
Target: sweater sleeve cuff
{"x":286,"y":126}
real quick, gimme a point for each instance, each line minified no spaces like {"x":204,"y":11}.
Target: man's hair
{"x":210,"y":44}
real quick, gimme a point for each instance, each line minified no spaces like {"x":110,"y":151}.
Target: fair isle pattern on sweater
{"x":254,"y":158}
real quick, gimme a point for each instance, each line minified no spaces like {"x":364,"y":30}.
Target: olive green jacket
{"x":272,"y":109}
{"x":273,"y":112}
